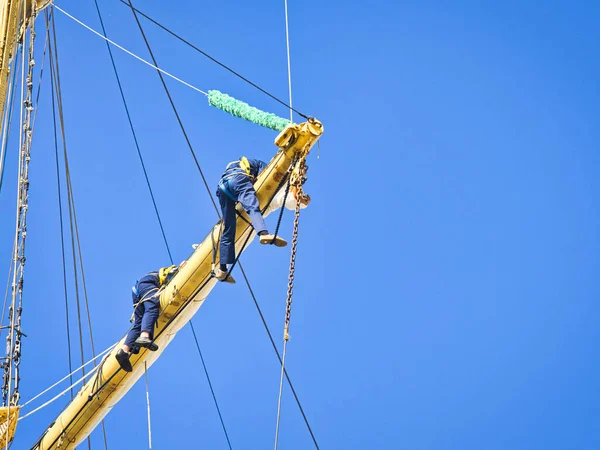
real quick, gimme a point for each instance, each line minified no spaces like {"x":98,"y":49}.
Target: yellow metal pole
{"x":11,"y":18}
{"x":179,"y":301}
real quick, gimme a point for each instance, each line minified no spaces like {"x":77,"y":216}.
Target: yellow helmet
{"x":166,"y":273}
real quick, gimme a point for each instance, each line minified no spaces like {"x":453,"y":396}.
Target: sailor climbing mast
{"x":184,"y":294}
{"x":179,"y":300}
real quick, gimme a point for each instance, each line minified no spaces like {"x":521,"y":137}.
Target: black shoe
{"x":146,"y":342}
{"x":135,"y":350}
{"x":123,"y":359}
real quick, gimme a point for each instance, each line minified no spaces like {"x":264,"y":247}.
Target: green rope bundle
{"x":245,"y":111}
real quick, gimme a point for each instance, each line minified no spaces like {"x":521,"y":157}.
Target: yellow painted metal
{"x":8,"y":423}
{"x":180,"y":300}
{"x":11,"y":18}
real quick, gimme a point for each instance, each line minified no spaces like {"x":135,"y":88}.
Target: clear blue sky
{"x":447,"y":292}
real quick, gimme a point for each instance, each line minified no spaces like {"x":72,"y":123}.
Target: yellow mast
{"x":11,"y":19}
{"x":13,"y":15}
{"x":179,"y":301}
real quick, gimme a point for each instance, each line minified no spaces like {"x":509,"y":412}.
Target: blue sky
{"x":447,"y":292}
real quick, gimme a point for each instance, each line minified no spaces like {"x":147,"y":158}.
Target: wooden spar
{"x":180,"y":300}
{"x":11,"y":19}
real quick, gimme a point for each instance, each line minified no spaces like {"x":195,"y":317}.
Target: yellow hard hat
{"x":166,"y":273}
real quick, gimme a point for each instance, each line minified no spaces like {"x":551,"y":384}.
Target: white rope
{"x":56,"y":397}
{"x":287,"y":42}
{"x":280,"y":393}
{"x":72,"y":373}
{"x":148,"y":403}
{"x":289,"y":68}
{"x":130,"y":53}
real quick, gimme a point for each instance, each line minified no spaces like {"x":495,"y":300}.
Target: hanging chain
{"x":297,"y":179}
{"x":288,"y":303}
{"x":13,"y":340}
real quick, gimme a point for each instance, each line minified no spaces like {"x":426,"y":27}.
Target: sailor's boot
{"x":123,"y":360}
{"x":272,"y":239}
{"x":221,"y":275}
{"x":146,"y":342}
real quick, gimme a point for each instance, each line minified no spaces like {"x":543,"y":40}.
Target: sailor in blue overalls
{"x":237,"y":185}
{"x":146,"y":304}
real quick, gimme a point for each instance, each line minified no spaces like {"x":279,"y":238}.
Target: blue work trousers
{"x":145,"y":316}
{"x":242,"y":189}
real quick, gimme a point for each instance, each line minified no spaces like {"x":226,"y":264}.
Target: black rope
{"x":172,"y":33}
{"x":130,"y":4}
{"x":287,"y":377}
{"x":210,"y":384}
{"x":156,"y":207}
{"x":71,"y":225}
{"x":137,"y":145}
{"x":162,"y":79}
{"x":62,"y":238}
{"x":72,"y":212}
{"x":287,"y":191}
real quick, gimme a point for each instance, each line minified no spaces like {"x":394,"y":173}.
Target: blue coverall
{"x":146,"y":312}
{"x":236,"y":185}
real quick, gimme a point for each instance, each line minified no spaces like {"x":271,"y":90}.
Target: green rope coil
{"x":245,"y":111}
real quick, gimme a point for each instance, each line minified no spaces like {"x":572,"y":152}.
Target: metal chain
{"x":296,"y":180}
{"x":13,"y":340}
{"x":288,"y":305}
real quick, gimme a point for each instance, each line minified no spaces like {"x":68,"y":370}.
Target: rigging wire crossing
{"x":11,"y":380}
{"x":60,"y":211}
{"x":74,"y":227}
{"x":130,"y":52}
{"x":294,"y":238}
{"x":202,"y":52}
{"x":160,"y":223}
{"x":138,"y":58}
{"x":69,"y":375}
{"x":56,"y":397}
{"x":289,"y":68}
{"x":130,"y":4}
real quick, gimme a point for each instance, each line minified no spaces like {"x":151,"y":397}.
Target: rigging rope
{"x":148,"y":403}
{"x":219,"y":215}
{"x":185,"y":135}
{"x":210,"y":384}
{"x":134,"y":134}
{"x":214,"y":204}
{"x":13,"y":340}
{"x":6,"y":291}
{"x":289,"y":69}
{"x":60,"y":212}
{"x":129,"y":52}
{"x":56,"y":397}
{"x":172,"y":33}
{"x":156,"y":209}
{"x":77,"y":253}
{"x":93,"y":360}
{"x":288,"y":303}
{"x":39,"y":89}
{"x":7,"y":119}
{"x":6,"y":126}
